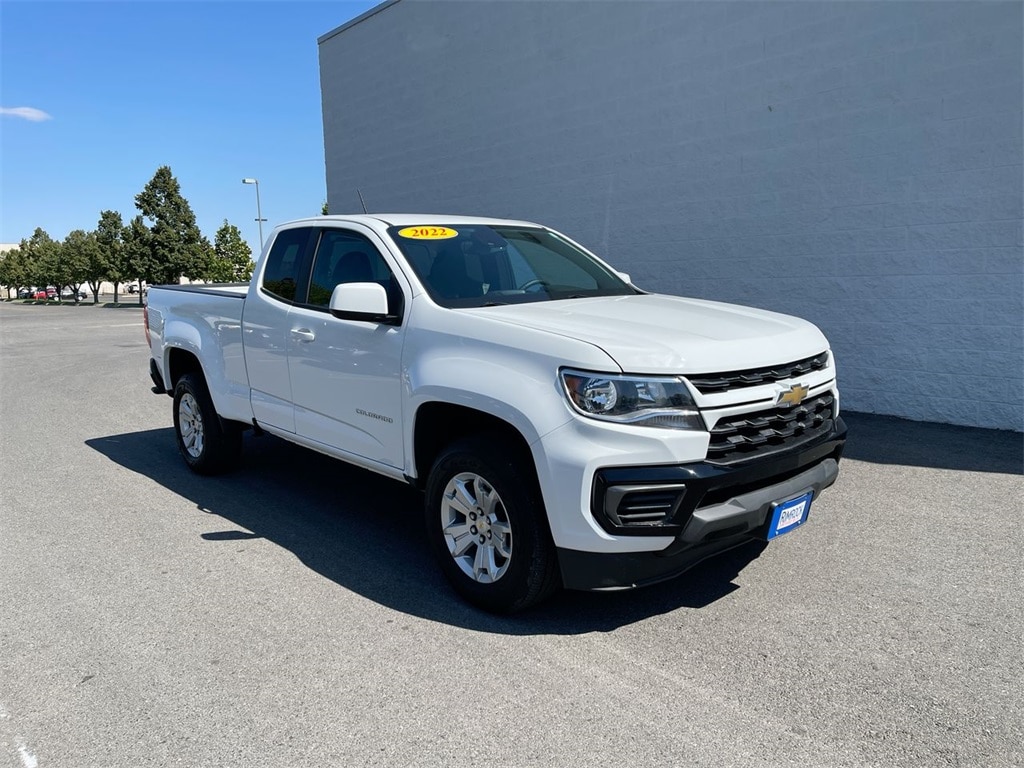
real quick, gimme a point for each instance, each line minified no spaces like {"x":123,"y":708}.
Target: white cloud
{"x":27,"y":113}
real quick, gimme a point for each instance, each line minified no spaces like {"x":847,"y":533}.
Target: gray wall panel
{"x":858,"y":164}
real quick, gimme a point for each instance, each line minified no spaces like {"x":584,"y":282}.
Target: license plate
{"x":787,"y":515}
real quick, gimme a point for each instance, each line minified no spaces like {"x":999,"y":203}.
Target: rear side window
{"x":281,"y":275}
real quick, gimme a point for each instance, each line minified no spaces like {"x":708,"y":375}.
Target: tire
{"x":487,"y":526}
{"x":209,"y":445}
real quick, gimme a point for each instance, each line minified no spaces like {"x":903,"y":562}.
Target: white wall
{"x":858,"y":164}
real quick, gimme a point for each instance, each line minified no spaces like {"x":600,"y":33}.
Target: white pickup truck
{"x":567,"y":428}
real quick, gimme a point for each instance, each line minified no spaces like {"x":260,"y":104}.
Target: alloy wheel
{"x":476,"y":527}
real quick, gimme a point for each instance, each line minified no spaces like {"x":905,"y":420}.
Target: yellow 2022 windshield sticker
{"x":427,"y":233}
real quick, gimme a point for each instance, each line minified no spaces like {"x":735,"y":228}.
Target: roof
{"x":414,"y":219}
{"x":362,"y":17}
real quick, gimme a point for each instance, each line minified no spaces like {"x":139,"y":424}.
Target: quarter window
{"x":281,"y":275}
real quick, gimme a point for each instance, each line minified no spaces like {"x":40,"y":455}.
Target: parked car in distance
{"x":24,"y":293}
{"x":69,"y":294}
{"x":39,"y":294}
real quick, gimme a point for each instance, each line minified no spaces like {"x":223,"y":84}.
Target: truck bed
{"x":205,"y":321}
{"x":232,"y":290}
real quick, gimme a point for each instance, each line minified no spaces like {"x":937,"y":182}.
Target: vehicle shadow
{"x":890,"y":440}
{"x":365,"y":533}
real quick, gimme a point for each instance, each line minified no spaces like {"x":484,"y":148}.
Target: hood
{"x":668,"y":334}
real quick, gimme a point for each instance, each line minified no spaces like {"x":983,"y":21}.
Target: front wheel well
{"x":438,"y":425}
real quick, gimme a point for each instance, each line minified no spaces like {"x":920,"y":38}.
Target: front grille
{"x":748,"y":435}
{"x":714,"y":383}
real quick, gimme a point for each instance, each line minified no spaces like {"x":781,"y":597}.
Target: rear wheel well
{"x":438,"y":425}
{"x":180,"y":362}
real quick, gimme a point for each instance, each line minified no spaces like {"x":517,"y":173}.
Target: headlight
{"x":647,"y":401}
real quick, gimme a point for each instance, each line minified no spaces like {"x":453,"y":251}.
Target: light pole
{"x":259,"y":214}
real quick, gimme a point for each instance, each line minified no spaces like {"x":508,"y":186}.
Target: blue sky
{"x":216,"y":90}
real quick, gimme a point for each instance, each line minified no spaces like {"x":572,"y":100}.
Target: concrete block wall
{"x":857,"y":164}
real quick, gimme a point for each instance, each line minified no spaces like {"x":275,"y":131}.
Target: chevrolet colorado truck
{"x":566,"y":427}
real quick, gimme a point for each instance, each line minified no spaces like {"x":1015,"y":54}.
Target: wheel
{"x":209,"y":445}
{"x":487,"y":526}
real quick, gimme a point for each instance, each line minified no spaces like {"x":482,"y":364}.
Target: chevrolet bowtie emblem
{"x":793,"y":396}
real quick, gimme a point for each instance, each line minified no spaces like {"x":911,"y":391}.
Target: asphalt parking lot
{"x":289,"y":614}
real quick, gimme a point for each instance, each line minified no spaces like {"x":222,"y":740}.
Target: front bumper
{"x":719,"y":508}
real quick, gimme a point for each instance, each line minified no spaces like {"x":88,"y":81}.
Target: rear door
{"x":346,"y":374}
{"x":266,"y":332}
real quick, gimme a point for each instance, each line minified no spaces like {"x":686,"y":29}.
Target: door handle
{"x":303,"y":334}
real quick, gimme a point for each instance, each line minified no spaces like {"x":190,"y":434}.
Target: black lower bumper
{"x":158,"y":382}
{"x":725,"y":507}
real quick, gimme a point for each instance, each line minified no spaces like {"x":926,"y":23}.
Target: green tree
{"x":111,"y":262}
{"x":78,"y":251}
{"x":5,"y":273}
{"x":23,"y":270}
{"x":175,"y":243}
{"x":207,"y":257}
{"x":323,"y":209}
{"x":137,"y":252}
{"x":43,"y":254}
{"x":232,"y":257}
{"x":12,"y":270}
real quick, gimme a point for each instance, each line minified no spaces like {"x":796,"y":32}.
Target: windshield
{"x":480,"y":266}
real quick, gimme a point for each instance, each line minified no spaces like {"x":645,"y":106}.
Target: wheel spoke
{"x":480,"y":563}
{"x":490,"y":561}
{"x":456,"y":529}
{"x":462,"y":544}
{"x":502,"y":546}
{"x":461,"y":498}
{"x":489,"y":498}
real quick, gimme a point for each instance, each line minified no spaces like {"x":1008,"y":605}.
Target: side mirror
{"x":361,"y":301}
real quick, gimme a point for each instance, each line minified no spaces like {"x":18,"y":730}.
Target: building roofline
{"x":361,"y":17}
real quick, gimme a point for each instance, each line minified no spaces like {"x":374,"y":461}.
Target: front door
{"x":346,"y":374}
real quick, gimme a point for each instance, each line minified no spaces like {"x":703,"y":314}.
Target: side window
{"x":281,"y":275}
{"x":348,"y":257}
